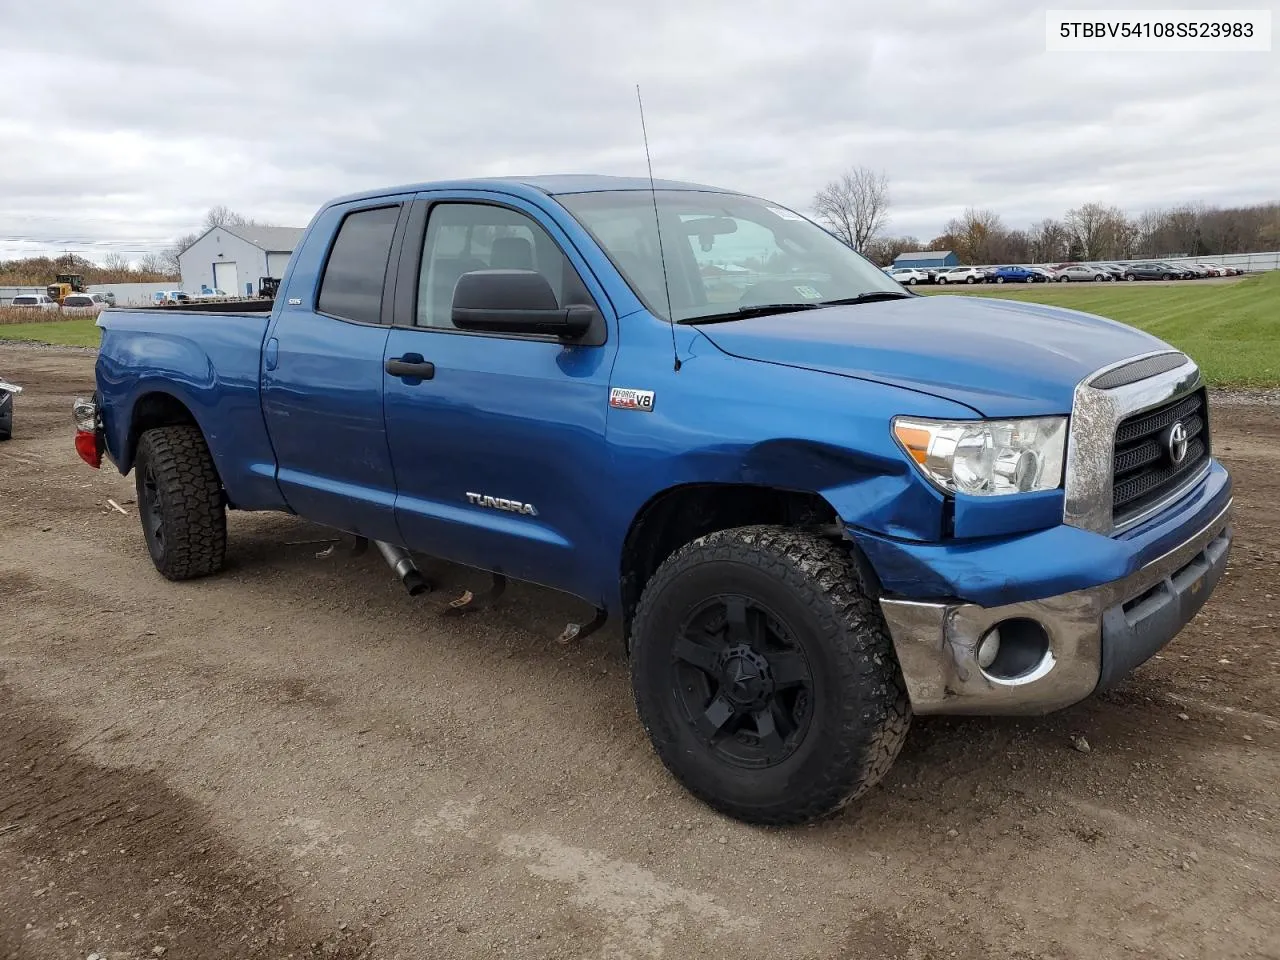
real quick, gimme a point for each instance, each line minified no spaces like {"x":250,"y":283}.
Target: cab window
{"x":462,"y":237}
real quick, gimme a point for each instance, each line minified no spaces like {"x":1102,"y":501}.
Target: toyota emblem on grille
{"x":1177,"y":443}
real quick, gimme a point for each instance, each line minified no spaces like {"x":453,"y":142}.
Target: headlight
{"x":986,"y":458}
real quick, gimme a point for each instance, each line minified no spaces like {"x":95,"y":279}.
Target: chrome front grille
{"x":1143,"y":467}
{"x":1119,"y":466}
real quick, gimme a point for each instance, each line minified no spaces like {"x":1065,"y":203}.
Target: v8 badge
{"x":625,"y":398}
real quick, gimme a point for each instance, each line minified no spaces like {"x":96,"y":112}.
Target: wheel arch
{"x":155,"y":408}
{"x":680,"y":514}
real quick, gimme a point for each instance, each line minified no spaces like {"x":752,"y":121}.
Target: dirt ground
{"x":296,"y":759}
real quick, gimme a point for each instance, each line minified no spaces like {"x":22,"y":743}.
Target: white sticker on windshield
{"x":784,"y":214}
{"x":808,"y":293}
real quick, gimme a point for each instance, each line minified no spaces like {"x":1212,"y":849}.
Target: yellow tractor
{"x":65,"y":285}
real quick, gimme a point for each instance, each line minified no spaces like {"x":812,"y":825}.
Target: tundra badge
{"x":625,"y":398}
{"x":499,"y":503}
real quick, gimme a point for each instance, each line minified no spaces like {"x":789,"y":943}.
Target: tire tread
{"x":191,"y":495}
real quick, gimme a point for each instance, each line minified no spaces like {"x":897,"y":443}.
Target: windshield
{"x":723,"y":252}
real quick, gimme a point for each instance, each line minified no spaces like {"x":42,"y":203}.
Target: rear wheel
{"x":970,"y":280}
{"x":999,"y":279}
{"x":764,"y":675}
{"x":180,"y":503}
{"x":1130,"y":277}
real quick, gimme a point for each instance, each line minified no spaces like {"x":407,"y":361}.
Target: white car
{"x":909,"y":275}
{"x":38,"y":301}
{"x":82,"y":303}
{"x":1082,"y":271}
{"x":962,"y":275}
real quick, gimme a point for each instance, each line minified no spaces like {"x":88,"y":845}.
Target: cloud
{"x":131,"y":122}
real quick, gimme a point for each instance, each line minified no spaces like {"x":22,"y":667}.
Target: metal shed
{"x":926,"y":259}
{"x":234,"y":259}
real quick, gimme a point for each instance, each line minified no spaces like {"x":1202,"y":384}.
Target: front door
{"x":499,"y":456}
{"x":322,"y":376}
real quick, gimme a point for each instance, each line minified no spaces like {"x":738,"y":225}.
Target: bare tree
{"x":1048,"y":241}
{"x":114,"y":263}
{"x":156,"y":266}
{"x":977,"y":235}
{"x":224,"y":216}
{"x":884,"y":250}
{"x":219,"y":216}
{"x":1100,"y":232}
{"x":855,"y":206}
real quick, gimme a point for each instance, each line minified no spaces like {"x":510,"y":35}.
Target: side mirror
{"x":516,"y":301}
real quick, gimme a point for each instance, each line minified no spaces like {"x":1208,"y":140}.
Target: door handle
{"x":411,"y":365}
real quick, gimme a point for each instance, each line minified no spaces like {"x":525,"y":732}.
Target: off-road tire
{"x":859,"y":714}
{"x":174,"y":473}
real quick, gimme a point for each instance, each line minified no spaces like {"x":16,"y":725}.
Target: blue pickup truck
{"x":816,"y":502}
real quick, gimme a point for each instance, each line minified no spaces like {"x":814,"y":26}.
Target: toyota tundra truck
{"x":815,"y":502}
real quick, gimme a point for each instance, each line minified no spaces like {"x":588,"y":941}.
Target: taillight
{"x":88,"y":448}
{"x":88,"y":442}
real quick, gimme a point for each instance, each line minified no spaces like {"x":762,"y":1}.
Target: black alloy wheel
{"x":742,"y":682}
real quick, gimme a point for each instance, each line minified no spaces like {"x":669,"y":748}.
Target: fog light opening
{"x":1012,"y":649}
{"x":989,"y":648}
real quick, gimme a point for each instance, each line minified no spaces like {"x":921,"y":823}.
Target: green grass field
{"x":80,"y":332}
{"x":1231,"y":329}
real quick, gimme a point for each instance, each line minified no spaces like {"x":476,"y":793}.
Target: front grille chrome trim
{"x":1096,"y":414}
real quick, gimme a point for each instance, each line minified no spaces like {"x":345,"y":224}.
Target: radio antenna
{"x":657,"y":223}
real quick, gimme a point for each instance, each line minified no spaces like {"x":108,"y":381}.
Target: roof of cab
{"x":550,"y":184}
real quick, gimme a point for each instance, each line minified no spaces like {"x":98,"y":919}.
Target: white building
{"x":235,"y":259}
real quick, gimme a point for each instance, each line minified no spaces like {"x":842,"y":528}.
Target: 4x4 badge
{"x":625,"y":398}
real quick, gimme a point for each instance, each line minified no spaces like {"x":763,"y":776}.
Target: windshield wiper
{"x":873,"y":297}
{"x":755,"y":310}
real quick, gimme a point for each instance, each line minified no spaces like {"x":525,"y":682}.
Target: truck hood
{"x":1003,"y":358}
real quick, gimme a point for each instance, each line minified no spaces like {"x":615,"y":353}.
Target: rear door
{"x":499,"y":455}
{"x":322,"y":377}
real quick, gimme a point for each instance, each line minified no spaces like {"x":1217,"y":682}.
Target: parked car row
{"x":78,"y":302}
{"x":1063,"y":272}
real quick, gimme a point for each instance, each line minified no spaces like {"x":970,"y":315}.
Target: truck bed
{"x":231,"y":305}
{"x":211,"y":366}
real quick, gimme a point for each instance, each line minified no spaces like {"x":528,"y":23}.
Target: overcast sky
{"x":122,"y":121}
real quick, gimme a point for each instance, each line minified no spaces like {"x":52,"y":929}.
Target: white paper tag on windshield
{"x":808,"y":293}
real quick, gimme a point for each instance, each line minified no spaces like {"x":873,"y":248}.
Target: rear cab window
{"x":354,"y":276}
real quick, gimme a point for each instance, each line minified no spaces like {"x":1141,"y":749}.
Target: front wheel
{"x":911,"y":281}
{"x":765,"y":677}
{"x":999,"y":279}
{"x":942,"y":280}
{"x":180,"y":503}
{"x":1130,"y":277}
{"x":1099,"y":278}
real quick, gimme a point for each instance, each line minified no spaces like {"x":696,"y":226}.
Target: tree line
{"x":161,"y":267}
{"x":855,"y":207}
{"x":115,"y":268}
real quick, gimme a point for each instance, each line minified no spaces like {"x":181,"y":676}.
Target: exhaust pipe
{"x":398,"y":559}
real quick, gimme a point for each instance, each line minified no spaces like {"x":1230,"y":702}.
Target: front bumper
{"x":1071,"y":644}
